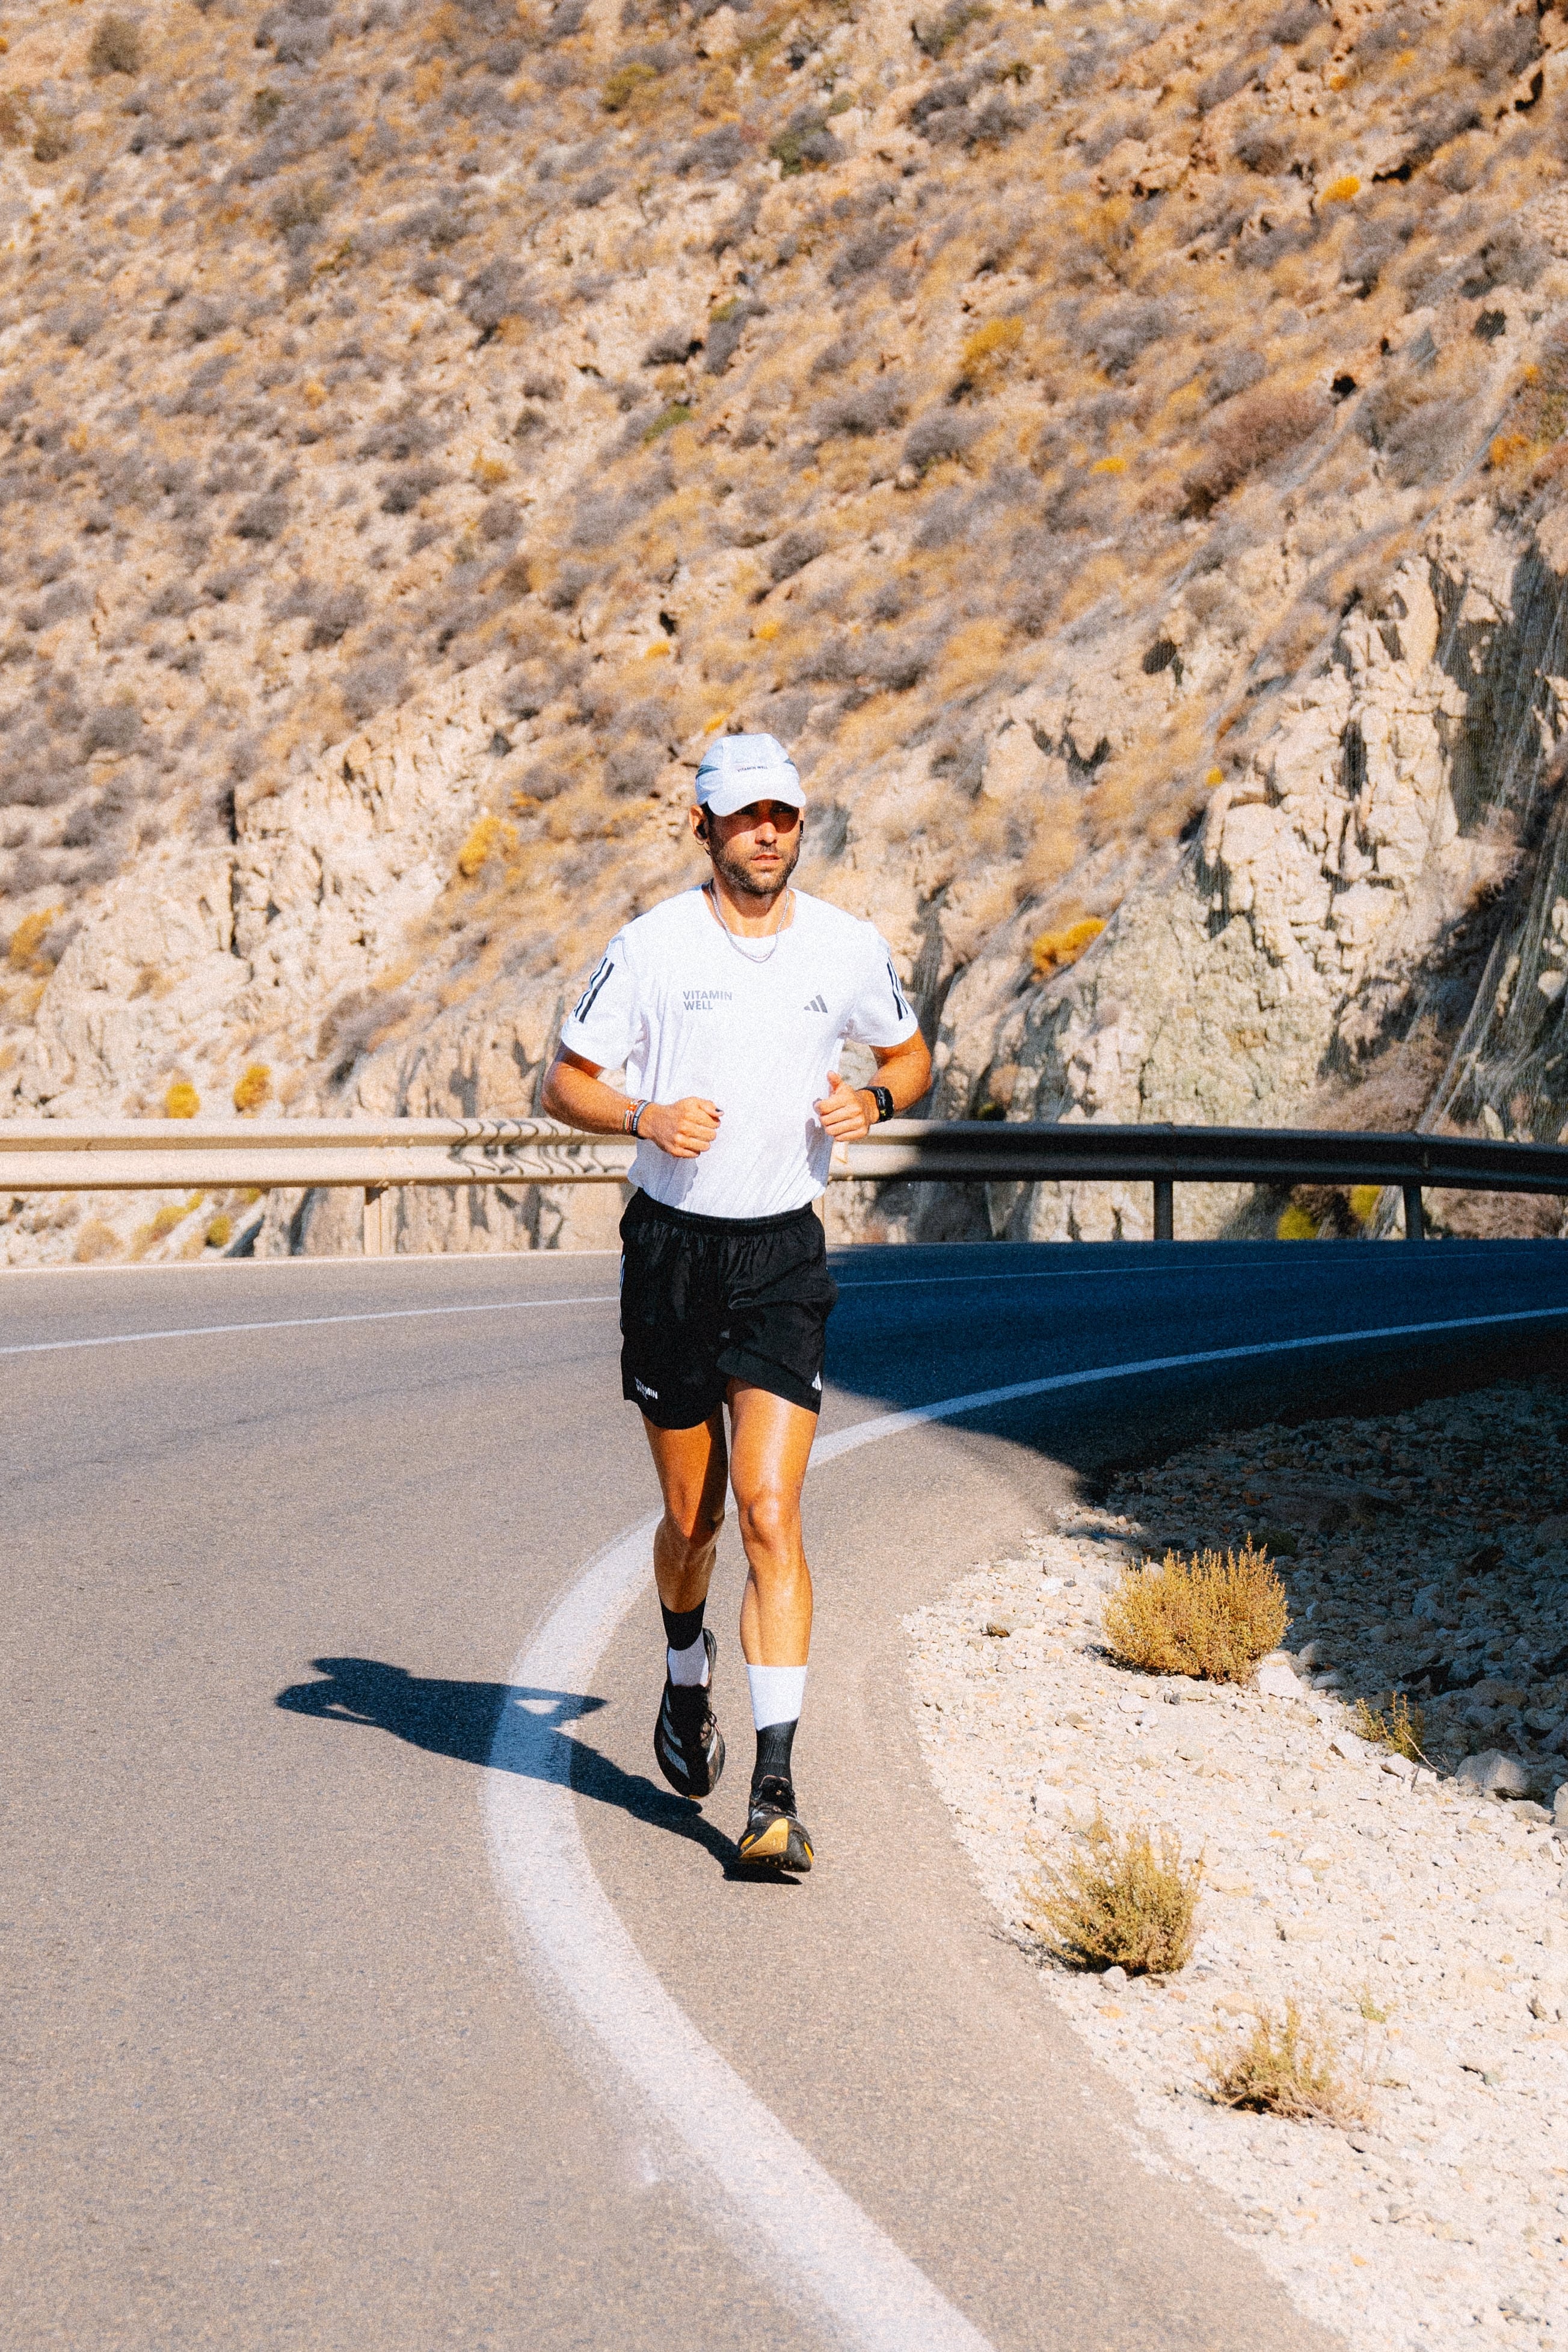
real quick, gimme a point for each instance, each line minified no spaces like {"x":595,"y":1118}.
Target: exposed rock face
{"x":196,"y":966}
{"x":1303,"y":931}
{"x":1252,"y":974}
{"x":411,"y":456}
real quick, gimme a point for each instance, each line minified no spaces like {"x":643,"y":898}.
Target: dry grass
{"x":95,"y":1240}
{"x":115,"y":47}
{"x":1400,"y":1728}
{"x":1054,"y":951}
{"x":1289,"y":2067}
{"x":29,"y":938}
{"x":1206,"y":1616}
{"x":1122,"y":1902}
{"x":251,"y":1088}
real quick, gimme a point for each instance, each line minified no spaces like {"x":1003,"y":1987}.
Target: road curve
{"x":278,"y":2076}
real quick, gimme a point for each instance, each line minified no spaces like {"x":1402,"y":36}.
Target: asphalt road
{"x":290,"y":2061}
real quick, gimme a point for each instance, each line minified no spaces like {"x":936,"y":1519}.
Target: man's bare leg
{"x":692,"y":1468}
{"x":692,"y":1472}
{"x":770,"y":1445}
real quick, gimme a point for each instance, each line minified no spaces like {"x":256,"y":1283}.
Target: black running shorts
{"x":706,"y":1300}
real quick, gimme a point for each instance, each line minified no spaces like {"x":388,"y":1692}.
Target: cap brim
{"x":731,"y":793}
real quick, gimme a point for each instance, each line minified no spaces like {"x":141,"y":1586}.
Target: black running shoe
{"x":774,"y":1836}
{"x":687,"y":1742}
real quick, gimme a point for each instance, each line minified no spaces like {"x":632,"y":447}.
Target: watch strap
{"x":884,"y":1101}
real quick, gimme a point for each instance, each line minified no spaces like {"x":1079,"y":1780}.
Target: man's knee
{"x":694,"y":1527}
{"x":770,"y":1519}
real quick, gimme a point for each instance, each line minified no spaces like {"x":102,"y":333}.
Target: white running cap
{"x":739,"y":769}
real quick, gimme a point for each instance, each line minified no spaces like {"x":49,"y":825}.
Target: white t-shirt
{"x":753,"y":1027}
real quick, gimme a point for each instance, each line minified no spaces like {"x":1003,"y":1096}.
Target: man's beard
{"x":745,"y":884}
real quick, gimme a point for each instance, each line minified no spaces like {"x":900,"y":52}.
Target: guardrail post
{"x":1164,"y":1209}
{"x":379,"y":1228}
{"x":1415,"y":1217}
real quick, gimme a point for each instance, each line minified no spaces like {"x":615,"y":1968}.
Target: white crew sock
{"x":688,"y":1668}
{"x":778,"y":1693}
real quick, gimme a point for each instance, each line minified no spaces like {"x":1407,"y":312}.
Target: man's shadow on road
{"x":462,"y":1720}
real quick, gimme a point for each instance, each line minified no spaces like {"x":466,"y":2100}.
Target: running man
{"x":728,"y":1007}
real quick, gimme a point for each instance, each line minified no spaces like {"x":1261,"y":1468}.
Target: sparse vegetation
{"x":1287,"y":2065}
{"x":1398,"y":1726}
{"x":94,"y":1242}
{"x":253,"y":1086}
{"x":1054,"y":951}
{"x":1206,"y":1616}
{"x":1127,"y":1901}
{"x":181,"y":1099}
{"x":1111,"y":310}
{"x":116,"y":45}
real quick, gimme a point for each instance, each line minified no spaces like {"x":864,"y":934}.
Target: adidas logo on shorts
{"x":816,"y":1005}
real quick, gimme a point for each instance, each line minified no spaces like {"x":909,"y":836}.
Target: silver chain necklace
{"x":745,"y":953}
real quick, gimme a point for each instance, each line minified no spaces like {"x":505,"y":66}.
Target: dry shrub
{"x":95,"y":1241}
{"x":1249,"y":433}
{"x":253,"y":1087}
{"x":182,"y":1100}
{"x":1286,"y":2067}
{"x":488,"y":836}
{"x":28,"y":938}
{"x":51,"y":138}
{"x":1400,"y":1728}
{"x":115,"y":47}
{"x":941,"y":434}
{"x":625,"y":82}
{"x":1208,"y":1617}
{"x":220,"y":1232}
{"x":1054,"y":951}
{"x":987,"y":350}
{"x":1121,"y":1901}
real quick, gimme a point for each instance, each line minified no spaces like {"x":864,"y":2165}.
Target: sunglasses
{"x":779,"y":815}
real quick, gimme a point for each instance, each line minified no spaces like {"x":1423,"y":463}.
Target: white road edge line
{"x":307,"y":1322}
{"x":803,"y":2232}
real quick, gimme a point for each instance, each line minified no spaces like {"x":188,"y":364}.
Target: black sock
{"x":682,"y":1626}
{"x":773,"y":1746}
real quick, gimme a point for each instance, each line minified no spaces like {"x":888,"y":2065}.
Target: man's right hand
{"x":684,"y":1130}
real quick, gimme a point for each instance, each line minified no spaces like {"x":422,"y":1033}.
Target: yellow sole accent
{"x":771,"y":1846}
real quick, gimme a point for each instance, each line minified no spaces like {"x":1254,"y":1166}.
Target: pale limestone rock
{"x":1015,"y":764}
{"x":719,"y":33}
{"x":1495,"y":1774}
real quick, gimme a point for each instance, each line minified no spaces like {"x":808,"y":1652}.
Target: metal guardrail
{"x":50,"y":1155}
{"x":134,"y":1155}
{"x":998,"y":1152}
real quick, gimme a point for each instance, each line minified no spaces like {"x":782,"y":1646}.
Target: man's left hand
{"x":845,"y":1112}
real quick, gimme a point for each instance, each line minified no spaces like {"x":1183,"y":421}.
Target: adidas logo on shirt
{"x":816,"y":1005}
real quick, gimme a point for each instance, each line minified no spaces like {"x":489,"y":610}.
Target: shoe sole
{"x":784,"y":1844}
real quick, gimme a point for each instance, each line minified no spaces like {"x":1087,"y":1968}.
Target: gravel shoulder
{"x":1418,"y":1911}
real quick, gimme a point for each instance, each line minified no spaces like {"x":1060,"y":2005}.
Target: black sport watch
{"x":884,"y":1101}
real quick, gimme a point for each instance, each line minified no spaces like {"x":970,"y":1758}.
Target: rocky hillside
{"x":1119,"y":448}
